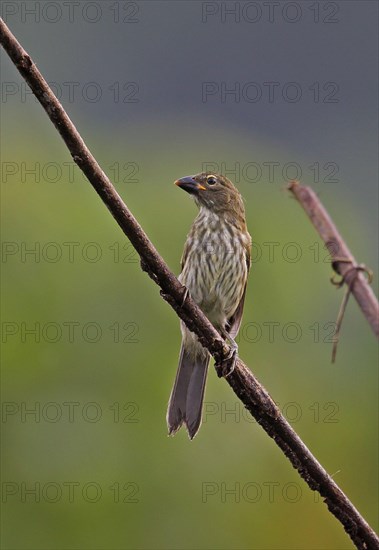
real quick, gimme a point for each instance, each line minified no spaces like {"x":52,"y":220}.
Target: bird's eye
{"x":211,"y":180}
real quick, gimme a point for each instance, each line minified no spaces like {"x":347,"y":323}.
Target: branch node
{"x":25,"y":62}
{"x":354,"y":268}
{"x":77,"y":159}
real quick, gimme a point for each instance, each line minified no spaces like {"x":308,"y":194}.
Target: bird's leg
{"x":226,"y":367}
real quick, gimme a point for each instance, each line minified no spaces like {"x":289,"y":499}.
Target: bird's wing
{"x":234,"y":322}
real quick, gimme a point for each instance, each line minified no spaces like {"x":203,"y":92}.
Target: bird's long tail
{"x":186,"y":401}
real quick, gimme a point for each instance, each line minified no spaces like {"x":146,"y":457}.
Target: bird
{"x":215,"y":267}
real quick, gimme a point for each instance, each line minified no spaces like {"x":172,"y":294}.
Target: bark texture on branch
{"x":245,"y":385}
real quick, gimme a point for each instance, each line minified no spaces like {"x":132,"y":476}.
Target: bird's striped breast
{"x":215,"y":265}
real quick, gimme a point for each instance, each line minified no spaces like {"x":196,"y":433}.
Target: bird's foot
{"x":227,"y":366}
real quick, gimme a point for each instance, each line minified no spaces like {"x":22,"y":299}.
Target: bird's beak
{"x":190,"y":185}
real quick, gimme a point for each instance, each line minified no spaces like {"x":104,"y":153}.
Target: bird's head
{"x":214,"y":192}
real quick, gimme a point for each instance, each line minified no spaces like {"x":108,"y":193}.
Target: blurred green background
{"x":89,"y":345}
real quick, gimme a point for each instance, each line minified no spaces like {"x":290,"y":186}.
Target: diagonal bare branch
{"x":243,"y":382}
{"x":343,"y":262}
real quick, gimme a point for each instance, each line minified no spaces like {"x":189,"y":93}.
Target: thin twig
{"x":342,"y":259}
{"x":340,"y":316}
{"x":345,"y":298}
{"x":245,"y":385}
